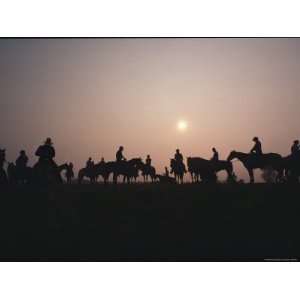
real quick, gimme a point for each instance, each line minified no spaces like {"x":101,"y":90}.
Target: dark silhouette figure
{"x":256,"y":149}
{"x":119,"y":155}
{"x":178,"y":168}
{"x":2,"y":158}
{"x":3,"y":176}
{"x":46,"y":171}
{"x":128,"y":168}
{"x":165,"y":178}
{"x":295,"y":150}
{"x":148,"y":160}
{"x":69,"y":173}
{"x":46,"y":152}
{"x":89,"y":164}
{"x":22,"y":160}
{"x":167,"y":174}
{"x":205,"y":170}
{"x":292,"y":164}
{"x":215,"y":157}
{"x":20,"y":173}
{"x":179,"y":160}
{"x":263,"y":161}
{"x":148,"y":170}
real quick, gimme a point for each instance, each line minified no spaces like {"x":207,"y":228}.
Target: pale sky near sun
{"x":93,"y":95}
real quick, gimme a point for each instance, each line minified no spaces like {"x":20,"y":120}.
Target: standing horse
{"x":206,"y":169}
{"x":148,"y":171}
{"x":48,"y":172}
{"x":178,"y":169}
{"x":92,"y":173}
{"x":19,"y":175}
{"x":292,"y":168}
{"x":128,"y":168}
{"x":264,"y":161}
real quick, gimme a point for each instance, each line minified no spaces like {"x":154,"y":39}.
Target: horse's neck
{"x":242,"y":156}
{"x":62,"y":167}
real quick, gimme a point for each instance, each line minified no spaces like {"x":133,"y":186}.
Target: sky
{"x":93,"y":95}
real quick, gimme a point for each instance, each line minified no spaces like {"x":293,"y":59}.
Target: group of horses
{"x":200,"y":169}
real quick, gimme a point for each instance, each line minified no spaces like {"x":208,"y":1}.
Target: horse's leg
{"x":115,"y":178}
{"x":251,"y":175}
{"x":280,"y":175}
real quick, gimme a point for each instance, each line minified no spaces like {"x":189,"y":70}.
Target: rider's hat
{"x":296,"y":141}
{"x":255,"y":139}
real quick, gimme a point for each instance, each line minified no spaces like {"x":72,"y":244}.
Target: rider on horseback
{"x":215,"y":157}
{"x":256,"y":149}
{"x":46,"y":152}
{"x":22,"y":160}
{"x":295,"y":150}
{"x":119,"y":155}
{"x":179,"y":159}
{"x":89,"y":163}
{"x":148,"y":160}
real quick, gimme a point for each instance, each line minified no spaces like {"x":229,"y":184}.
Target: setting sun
{"x":182,"y":125}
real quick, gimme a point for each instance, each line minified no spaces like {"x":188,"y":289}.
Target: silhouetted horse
{"x":100,"y":169}
{"x":129,"y":169}
{"x":253,"y":161}
{"x":292,"y":168}
{"x":48,"y":173}
{"x":19,"y":175}
{"x":206,"y":169}
{"x":148,"y":171}
{"x":3,"y":176}
{"x":178,"y":169}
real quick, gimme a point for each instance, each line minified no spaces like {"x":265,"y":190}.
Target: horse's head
{"x":232,"y":155}
{"x":137,"y":162}
{"x":63,"y":167}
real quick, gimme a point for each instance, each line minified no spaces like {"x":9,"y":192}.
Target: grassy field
{"x":150,"y":222}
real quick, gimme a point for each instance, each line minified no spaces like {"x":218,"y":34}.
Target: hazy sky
{"x":93,"y":95}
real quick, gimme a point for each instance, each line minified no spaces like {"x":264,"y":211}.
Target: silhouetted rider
{"x":256,"y":149}
{"x":179,"y":159}
{"x":215,"y":157}
{"x":89,"y":163}
{"x":148,"y":160}
{"x":119,"y":155}
{"x":46,"y":152}
{"x":22,"y":160}
{"x":295,"y":150}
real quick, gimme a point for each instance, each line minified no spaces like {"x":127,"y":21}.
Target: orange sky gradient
{"x":93,"y":95}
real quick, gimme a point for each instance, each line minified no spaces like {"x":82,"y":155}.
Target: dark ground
{"x":150,"y":222}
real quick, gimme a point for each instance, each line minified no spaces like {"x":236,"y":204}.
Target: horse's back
{"x":272,"y":155}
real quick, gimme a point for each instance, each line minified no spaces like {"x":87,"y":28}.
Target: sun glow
{"x":182,"y":125}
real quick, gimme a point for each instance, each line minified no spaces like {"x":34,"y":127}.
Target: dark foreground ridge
{"x":190,"y":222}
